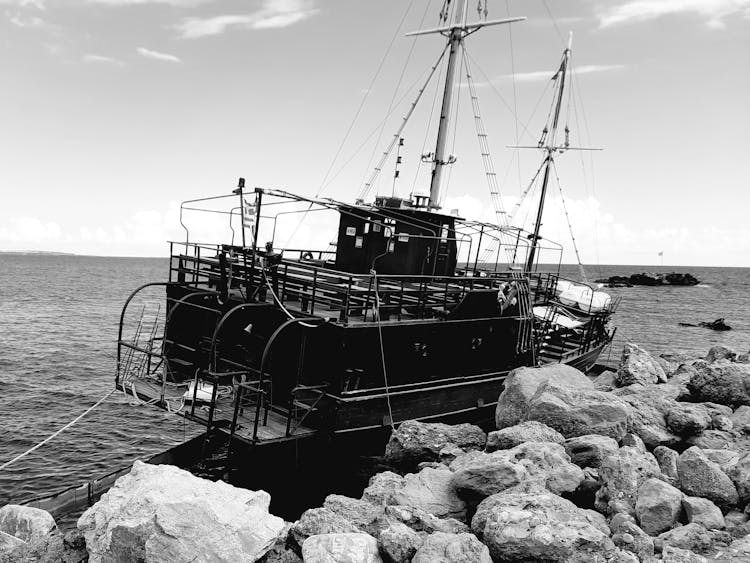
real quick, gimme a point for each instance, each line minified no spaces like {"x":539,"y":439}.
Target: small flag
{"x":661,"y":253}
{"x":248,"y":213}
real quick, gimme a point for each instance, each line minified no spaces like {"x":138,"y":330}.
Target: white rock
{"x":341,"y":548}
{"x":25,"y":522}
{"x":159,"y":513}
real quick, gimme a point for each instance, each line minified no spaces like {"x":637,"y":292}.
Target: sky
{"x":112,"y":112}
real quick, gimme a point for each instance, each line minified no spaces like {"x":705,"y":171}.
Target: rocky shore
{"x":647,"y":463}
{"x":651,"y":279}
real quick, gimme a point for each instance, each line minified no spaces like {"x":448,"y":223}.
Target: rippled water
{"x":58,"y":326}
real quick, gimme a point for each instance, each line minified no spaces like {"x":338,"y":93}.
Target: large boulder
{"x":432,"y":491}
{"x":522,"y":384}
{"x":421,"y":521}
{"x":318,"y":521}
{"x":576,"y":412}
{"x":739,"y":472}
{"x":360,"y":513}
{"x":720,"y":352}
{"x":512,"y":436}
{"x":590,"y":450}
{"x":701,"y":477}
{"x":741,"y":419}
{"x":539,"y":527}
{"x":672,"y":554}
{"x":695,"y":537}
{"x":667,"y":460}
{"x":658,"y":506}
{"x":479,"y":475}
{"x":649,"y":406}
{"x":341,"y":548}
{"x":702,"y":511}
{"x":452,"y":548}
{"x":622,"y":475}
{"x":414,"y":442}
{"x":25,"y":522}
{"x":382,"y":487}
{"x":398,"y":543}
{"x":162,"y":513}
{"x":637,"y":366}
{"x":736,"y":552}
{"x":722,"y":382}
{"x":30,"y":534}
{"x":688,"y":419}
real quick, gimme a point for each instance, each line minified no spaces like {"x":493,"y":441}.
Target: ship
{"x":410,"y":313}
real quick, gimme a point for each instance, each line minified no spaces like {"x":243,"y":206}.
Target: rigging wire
{"x":364,"y":98}
{"x":427,"y":129}
{"x":554,"y":21}
{"x":382,"y":350}
{"x":395,"y":93}
{"x":567,"y":219}
{"x":515,"y":92}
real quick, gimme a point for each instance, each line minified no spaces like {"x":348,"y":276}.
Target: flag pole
{"x":238,"y":191}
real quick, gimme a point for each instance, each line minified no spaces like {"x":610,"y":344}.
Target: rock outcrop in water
{"x":650,"y":279}
{"x":573,"y":474}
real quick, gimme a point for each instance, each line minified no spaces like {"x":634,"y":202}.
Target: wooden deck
{"x":270,"y":429}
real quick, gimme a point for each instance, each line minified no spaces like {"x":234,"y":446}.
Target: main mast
{"x":550,"y":148}
{"x":456,"y":33}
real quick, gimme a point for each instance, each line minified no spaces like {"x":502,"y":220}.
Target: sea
{"x":59,"y":317}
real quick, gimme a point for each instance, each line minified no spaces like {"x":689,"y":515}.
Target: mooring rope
{"x":382,"y":351}
{"x":60,"y":431}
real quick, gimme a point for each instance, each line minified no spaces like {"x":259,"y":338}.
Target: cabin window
{"x":391,"y":246}
{"x":358,"y":242}
{"x":403,"y":237}
{"x":367,"y":228}
{"x":351,"y":231}
{"x":387,"y":232}
{"x":376,"y":226}
{"x":444,"y":233}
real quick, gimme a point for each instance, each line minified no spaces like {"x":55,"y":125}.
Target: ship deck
{"x":272,"y":427}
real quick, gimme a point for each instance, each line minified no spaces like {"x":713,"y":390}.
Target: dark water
{"x":58,"y":326}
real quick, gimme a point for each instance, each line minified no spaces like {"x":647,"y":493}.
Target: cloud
{"x":39,"y":4}
{"x":548,"y":74}
{"x":175,"y":3}
{"x":272,"y":14}
{"x":713,"y":11}
{"x":20,"y":20}
{"x":149,"y":54}
{"x":99,"y":59}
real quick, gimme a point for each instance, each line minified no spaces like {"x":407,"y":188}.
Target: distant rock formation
{"x":651,"y":279}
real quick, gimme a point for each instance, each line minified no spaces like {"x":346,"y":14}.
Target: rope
{"x":382,"y":351}
{"x":54,"y":435}
{"x":570,"y":227}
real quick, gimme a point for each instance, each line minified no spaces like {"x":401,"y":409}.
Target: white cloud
{"x":99,"y":59}
{"x":713,"y":11}
{"x":149,"y":54}
{"x":176,"y":3}
{"x":272,"y":14}
{"x":39,"y":4}
{"x":20,"y":20}
{"x":548,"y":74}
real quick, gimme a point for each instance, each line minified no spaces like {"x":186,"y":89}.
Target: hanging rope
{"x":55,"y":434}
{"x":382,"y":351}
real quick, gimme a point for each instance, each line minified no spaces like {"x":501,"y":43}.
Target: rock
{"x":722,"y":382}
{"x":162,"y":513}
{"x":281,"y":551}
{"x":702,"y":511}
{"x":633,"y":441}
{"x":722,"y":423}
{"x":694,"y":537}
{"x":452,"y":548}
{"x":649,"y":406}
{"x":413,"y":441}
{"x":736,"y":552}
{"x":674,"y":360}
{"x":622,"y":474}
{"x":398,"y":543}
{"x":576,"y":412}
{"x":658,"y":506}
{"x":382,"y":487}
{"x":739,"y":473}
{"x":743,"y":358}
{"x":530,"y":431}
{"x":538,"y":527}
{"x":720,"y":352}
{"x":449,"y":453}
{"x":421,"y":521}
{"x":605,"y":381}
{"x":26,"y":523}
{"x":667,"y":460}
{"x":522,"y":384}
{"x":355,"y":511}
{"x":734,"y":519}
{"x":637,"y":366}
{"x":432,"y":491}
{"x":341,"y":548}
{"x":628,"y":536}
{"x":725,"y":459}
{"x":319,"y":521}
{"x":688,"y":419}
{"x":478,"y":475}
{"x":700,"y":477}
{"x":590,"y":450}
{"x":676,"y":555}
{"x":10,"y":545}
{"x":741,"y":419}
{"x":713,"y":440}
